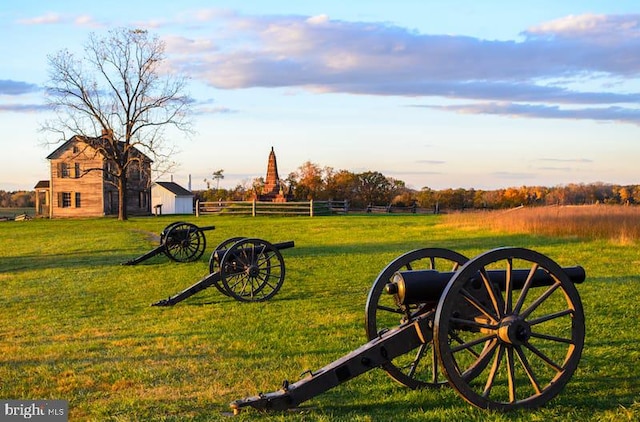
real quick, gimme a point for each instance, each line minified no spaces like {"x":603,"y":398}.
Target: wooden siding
{"x":75,"y":193}
{"x":89,"y":186}
{"x":171,"y":203}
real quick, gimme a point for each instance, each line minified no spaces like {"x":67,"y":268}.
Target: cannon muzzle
{"x":423,"y":286}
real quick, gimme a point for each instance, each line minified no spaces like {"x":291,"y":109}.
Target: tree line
{"x":311,"y":181}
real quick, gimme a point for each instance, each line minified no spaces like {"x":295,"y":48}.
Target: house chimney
{"x":189,"y":188}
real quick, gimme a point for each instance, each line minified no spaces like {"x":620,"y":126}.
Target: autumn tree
{"x":307,"y":182}
{"x":341,"y":185}
{"x":374,"y":188}
{"x":119,"y":95}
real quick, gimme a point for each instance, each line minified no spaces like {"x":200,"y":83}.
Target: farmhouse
{"x":171,"y":198}
{"x":80,"y":184}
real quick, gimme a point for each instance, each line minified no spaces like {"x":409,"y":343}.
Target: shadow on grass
{"x":92,"y":258}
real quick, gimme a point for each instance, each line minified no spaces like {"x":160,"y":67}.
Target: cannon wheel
{"x":163,"y":233}
{"x":535,"y":335}
{"x":252,"y":270}
{"x":382,"y":313}
{"x":216,"y":257}
{"x":184,"y":242}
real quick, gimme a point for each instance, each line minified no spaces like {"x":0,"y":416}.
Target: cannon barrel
{"x":421,"y":286}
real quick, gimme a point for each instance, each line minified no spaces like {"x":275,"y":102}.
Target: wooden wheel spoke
{"x":552,"y":338}
{"x":544,"y":296}
{"x":476,"y":304}
{"x":511,"y":374}
{"x":389,"y":309}
{"x":473,"y":323}
{"x":469,"y":344}
{"x":544,"y":357}
{"x":483,"y":359}
{"x":525,"y":288}
{"x":528,"y":369}
{"x":496,"y":300}
{"x":508,"y":293}
{"x":549,"y":317}
{"x":416,"y":361}
{"x":495,"y":367}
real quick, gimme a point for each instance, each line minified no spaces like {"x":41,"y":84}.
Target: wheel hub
{"x":514,"y":330}
{"x":253,"y":270}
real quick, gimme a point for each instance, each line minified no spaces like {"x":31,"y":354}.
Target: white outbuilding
{"x":171,"y":198}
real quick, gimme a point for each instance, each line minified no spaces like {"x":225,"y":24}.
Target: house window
{"x":135,"y":173}
{"x":64,"y":170}
{"x":76,"y":170}
{"x":66,"y":200}
{"x":78,"y":202}
{"x":76,"y":149}
{"x":142,"y":199}
{"x":108,"y":168}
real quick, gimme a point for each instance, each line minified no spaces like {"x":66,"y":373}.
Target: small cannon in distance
{"x":247,"y":269}
{"x":180,"y":242}
{"x":505,"y":330}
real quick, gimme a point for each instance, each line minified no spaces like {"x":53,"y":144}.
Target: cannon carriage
{"x":180,"y":242}
{"x":505,"y":330}
{"x":246,"y":269}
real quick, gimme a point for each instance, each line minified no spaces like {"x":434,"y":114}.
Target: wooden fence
{"x":254,"y":208}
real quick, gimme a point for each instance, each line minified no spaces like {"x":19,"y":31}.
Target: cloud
{"x":56,"y":18}
{"x":24,"y":108}
{"x":550,"y":65}
{"x":605,"y":114}
{"x":567,"y":160}
{"x":513,"y":175}
{"x":45,"y":19}
{"x":598,"y":28}
{"x":430,"y":162}
{"x":9,"y":87}
{"x":360,"y":57}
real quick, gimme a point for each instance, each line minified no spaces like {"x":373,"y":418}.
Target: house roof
{"x":90,"y":141}
{"x":42,"y":184}
{"x":175,"y":188}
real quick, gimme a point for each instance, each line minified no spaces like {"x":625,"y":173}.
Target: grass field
{"x":77,"y":325}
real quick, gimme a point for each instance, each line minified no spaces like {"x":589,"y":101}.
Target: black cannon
{"x":180,"y":241}
{"x":249,"y":270}
{"x":505,"y":330}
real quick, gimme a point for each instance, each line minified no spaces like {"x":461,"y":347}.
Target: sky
{"x":439,"y":94}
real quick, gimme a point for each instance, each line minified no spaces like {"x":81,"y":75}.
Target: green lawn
{"x":77,"y":325}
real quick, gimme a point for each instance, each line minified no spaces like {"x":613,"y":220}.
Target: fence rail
{"x":254,"y":208}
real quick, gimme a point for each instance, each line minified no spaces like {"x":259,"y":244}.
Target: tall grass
{"x":620,"y":224}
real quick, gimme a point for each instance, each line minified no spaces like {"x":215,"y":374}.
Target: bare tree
{"x":119,"y":96}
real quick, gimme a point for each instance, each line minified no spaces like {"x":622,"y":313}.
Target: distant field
{"x":613,"y":222}
{"x":77,"y":325}
{"x":12,"y":212}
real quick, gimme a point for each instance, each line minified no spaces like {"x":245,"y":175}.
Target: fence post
{"x":311,"y":208}
{"x":197,"y":208}
{"x":253,"y":208}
